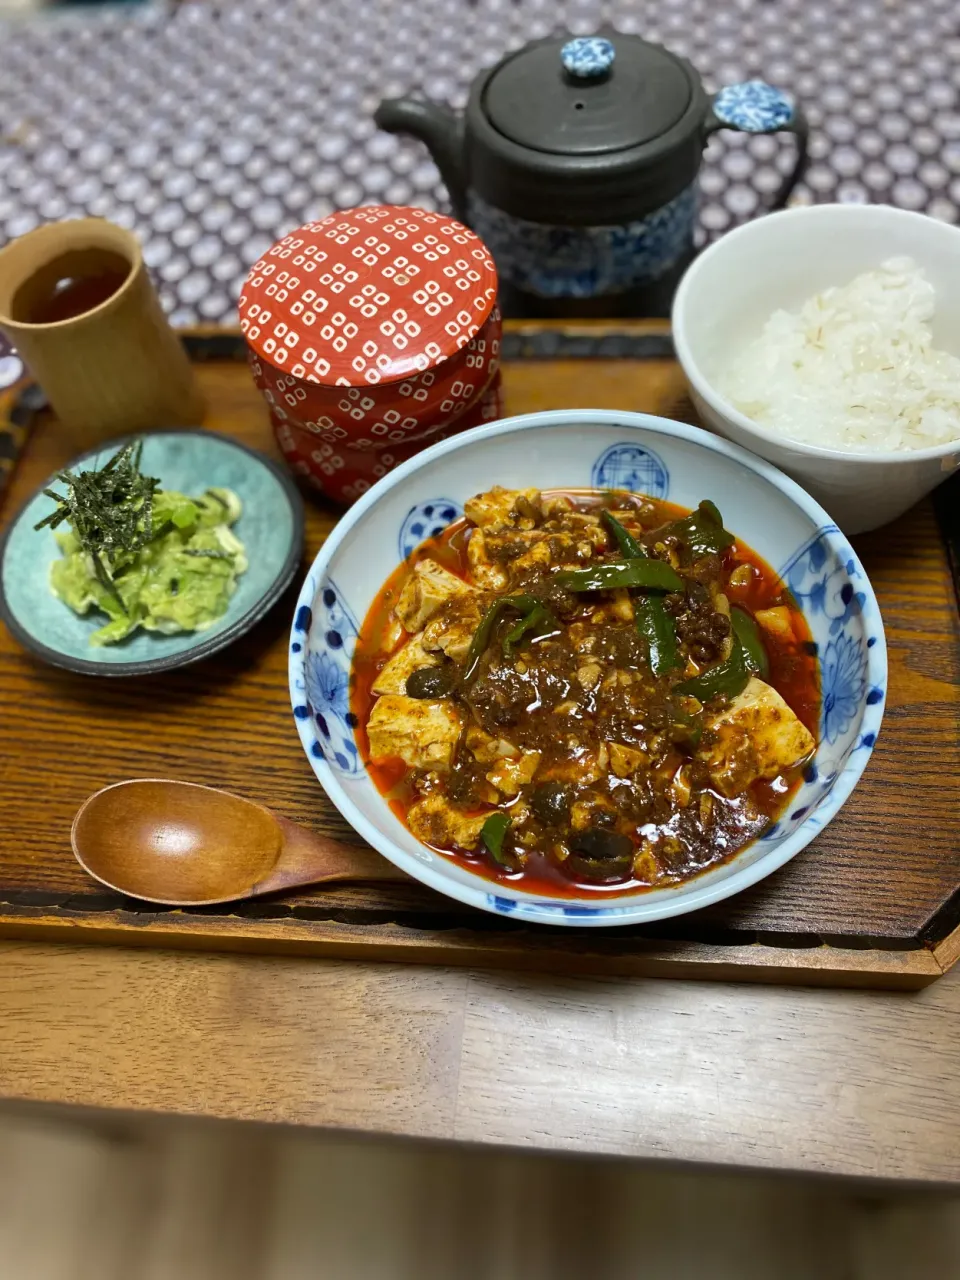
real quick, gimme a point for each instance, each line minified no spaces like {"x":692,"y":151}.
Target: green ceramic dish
{"x":271,"y":528}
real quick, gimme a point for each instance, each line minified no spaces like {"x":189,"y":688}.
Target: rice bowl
{"x":778,"y":263}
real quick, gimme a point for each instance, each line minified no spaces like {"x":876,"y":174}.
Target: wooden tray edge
{"x":826,"y":964}
{"x":823,"y":965}
{"x":947,"y":950}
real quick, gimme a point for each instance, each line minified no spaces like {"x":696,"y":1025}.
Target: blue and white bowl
{"x":576,"y":448}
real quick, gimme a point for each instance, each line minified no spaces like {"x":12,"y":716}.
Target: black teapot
{"x":576,"y":161}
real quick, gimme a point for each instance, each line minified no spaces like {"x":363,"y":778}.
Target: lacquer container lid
{"x":368,"y":297}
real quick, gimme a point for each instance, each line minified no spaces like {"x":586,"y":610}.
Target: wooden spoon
{"x":188,"y":846}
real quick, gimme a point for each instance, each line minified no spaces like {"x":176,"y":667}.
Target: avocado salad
{"x":144,"y":556}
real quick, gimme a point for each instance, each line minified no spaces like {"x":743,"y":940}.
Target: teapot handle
{"x":757,"y":107}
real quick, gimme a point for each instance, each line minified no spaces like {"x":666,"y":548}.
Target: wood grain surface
{"x":843,"y":1082}
{"x":881,"y":880}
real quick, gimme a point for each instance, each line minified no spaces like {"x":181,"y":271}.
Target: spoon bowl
{"x":182,"y":844}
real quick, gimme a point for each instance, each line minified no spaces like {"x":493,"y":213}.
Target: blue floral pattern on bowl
{"x":631,"y":467}
{"x":841,"y":671}
{"x":585,"y":262}
{"x":329,"y":631}
{"x":753,"y":107}
{"x":587,"y":57}
{"x":823,"y":579}
{"x":426,"y":520}
{"x":822,"y":576}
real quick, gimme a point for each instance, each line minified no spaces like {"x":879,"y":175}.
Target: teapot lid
{"x":588,"y":95}
{"x":585,"y":131}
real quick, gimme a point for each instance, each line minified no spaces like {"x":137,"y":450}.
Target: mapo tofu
{"x":586,"y":691}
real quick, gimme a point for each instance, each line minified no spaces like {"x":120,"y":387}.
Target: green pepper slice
{"x":481,"y":639}
{"x":653,"y":622}
{"x":747,"y":633}
{"x":728,"y":679}
{"x":537,"y":622}
{"x":629,"y":547}
{"x":657,"y":628}
{"x":688,"y":729}
{"x":702,"y":530}
{"x":654,"y":575}
{"x":492,"y":833}
{"x":536,"y":616}
{"x":711,"y":510}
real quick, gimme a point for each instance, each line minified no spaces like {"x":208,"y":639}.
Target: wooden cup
{"x":113,"y":370}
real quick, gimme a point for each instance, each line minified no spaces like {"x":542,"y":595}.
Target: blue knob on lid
{"x":587,"y":57}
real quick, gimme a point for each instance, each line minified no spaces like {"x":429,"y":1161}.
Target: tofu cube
{"x":777,"y":621}
{"x":525,"y":551}
{"x":756,"y":736}
{"x":625,"y":761}
{"x":413,"y":656}
{"x":485,"y":748}
{"x":422,"y":734}
{"x":483,"y":571}
{"x":452,"y":629}
{"x":494,"y":509}
{"x":537,"y":556}
{"x":425,"y":591}
{"x":508,"y":776}
{"x":435,"y":821}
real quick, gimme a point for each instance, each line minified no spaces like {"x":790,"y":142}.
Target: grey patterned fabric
{"x":212,"y":129}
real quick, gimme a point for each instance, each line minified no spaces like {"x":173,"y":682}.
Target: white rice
{"x":854,"y":368}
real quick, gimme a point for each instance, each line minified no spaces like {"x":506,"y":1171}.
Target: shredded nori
{"x":110,"y":510}
{"x":167,"y":527}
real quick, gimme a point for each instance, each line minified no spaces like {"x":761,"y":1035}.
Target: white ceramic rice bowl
{"x":779,"y":261}
{"x":597,"y":448}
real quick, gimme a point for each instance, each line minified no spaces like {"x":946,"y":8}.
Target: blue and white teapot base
{"x":585,"y":262}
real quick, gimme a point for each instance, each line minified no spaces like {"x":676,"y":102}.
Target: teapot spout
{"x":440,"y":130}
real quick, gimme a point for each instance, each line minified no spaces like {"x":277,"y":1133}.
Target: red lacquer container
{"x":372,"y":331}
{"x":343,"y":474}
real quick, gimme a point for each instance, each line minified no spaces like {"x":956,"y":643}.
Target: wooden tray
{"x":874,"y":901}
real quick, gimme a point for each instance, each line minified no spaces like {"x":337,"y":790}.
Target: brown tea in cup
{"x":69,"y":286}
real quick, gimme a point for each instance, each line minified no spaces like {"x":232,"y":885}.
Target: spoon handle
{"x":309,"y":858}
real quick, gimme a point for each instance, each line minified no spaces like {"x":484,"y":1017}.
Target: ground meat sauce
{"x":612,"y":777}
